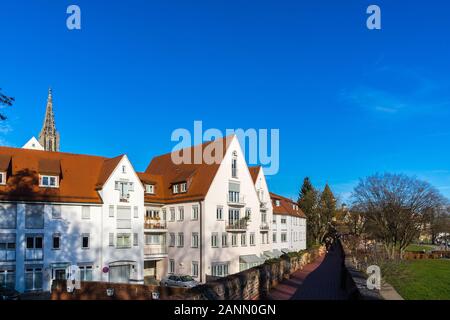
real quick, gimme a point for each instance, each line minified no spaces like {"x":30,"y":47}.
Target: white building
{"x":60,"y":209}
{"x":211,"y":212}
{"x":288,"y":225}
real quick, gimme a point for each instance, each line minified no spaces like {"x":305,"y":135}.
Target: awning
{"x":277,"y":253}
{"x":251,"y":258}
{"x":269,"y":254}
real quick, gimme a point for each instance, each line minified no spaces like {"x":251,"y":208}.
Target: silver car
{"x":182,"y":281}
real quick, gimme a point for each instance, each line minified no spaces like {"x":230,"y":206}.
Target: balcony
{"x":240,"y":225}
{"x":34,"y":254}
{"x":155,"y":251}
{"x":263,"y":206}
{"x":264,"y":227}
{"x":236,"y":200}
{"x":158,"y":225}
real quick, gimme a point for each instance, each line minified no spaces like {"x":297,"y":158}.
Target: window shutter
{"x":235,"y":187}
{"x":136,"y":212}
{"x":111,"y":211}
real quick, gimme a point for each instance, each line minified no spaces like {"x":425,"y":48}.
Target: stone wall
{"x":254,"y":283}
{"x":414,"y":255}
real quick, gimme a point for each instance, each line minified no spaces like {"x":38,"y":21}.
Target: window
{"x":277,"y":203}
{"x":194,"y":242}
{"x":219,"y":269}
{"x":85,"y":273}
{"x":124,"y":188}
{"x":171,"y":266}
{"x":7,"y":247}
{"x":86,"y":212}
{"x":283,"y":220}
{"x":3,"y":178}
{"x":234,"y":240}
{"x":33,"y":278}
{"x":243,"y":239}
{"x":34,"y":217}
{"x":248,"y":213}
{"x":136,"y":212}
{"x":180,"y":240}
{"x":150,"y":188}
{"x":224,"y":240}
{"x":111,"y":239}
{"x":252,"y":239}
{"x":56,"y":212}
{"x":180,"y":213}
{"x":34,"y":247}
{"x":284,"y":237}
{"x":123,"y":218}
{"x":264,"y":238}
{"x":219,"y":213}
{"x":8,"y":216}
{"x":56,"y":241}
{"x":111,"y":211}
{"x":274,"y":220}
{"x":183,"y":187}
{"x":194,"y":212}
{"x":164,"y":214}
{"x":175,"y":188}
{"x":124,"y":169}
{"x":172,"y":239}
{"x":48,"y":181}
{"x":155,"y":239}
{"x":214,"y":240}
{"x":274,"y":237}
{"x":172,"y":214}
{"x":263,"y":217}
{"x":234,"y":166}
{"x":85,"y":241}
{"x":7,"y":277}
{"x":123,"y":240}
{"x":194,"y":269}
{"x":135,"y":239}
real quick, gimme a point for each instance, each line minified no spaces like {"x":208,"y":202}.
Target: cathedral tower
{"x":49,"y":137}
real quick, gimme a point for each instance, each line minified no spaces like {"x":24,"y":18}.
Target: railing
{"x":7,"y":255}
{"x":236,"y":200}
{"x":241,"y":224}
{"x":155,"y":224}
{"x":154,"y":250}
{"x":263,"y":206}
{"x":34,"y":254}
{"x":264,"y":226}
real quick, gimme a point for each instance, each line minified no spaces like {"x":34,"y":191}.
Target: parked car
{"x":182,"y":281}
{"x":9,"y":294}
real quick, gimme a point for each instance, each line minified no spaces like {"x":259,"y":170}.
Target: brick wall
{"x":251,"y":284}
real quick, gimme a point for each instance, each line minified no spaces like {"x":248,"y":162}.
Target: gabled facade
{"x":211,"y":211}
{"x":59,"y":209}
{"x":288,"y":225}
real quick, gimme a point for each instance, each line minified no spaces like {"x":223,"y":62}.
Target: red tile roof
{"x":254,"y":171}
{"x":198,"y":177}
{"x":286,"y":206}
{"x":80,"y":175}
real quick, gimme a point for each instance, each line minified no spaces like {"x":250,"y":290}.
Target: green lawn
{"x":421,"y":279}
{"x":419,"y":247}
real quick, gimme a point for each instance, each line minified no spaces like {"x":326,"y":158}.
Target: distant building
{"x":49,"y":137}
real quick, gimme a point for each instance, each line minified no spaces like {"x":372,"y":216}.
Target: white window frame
{"x":49,"y":178}
{"x":194,"y":269}
{"x":194,"y":240}
{"x":150,"y":188}
{"x":175,"y":188}
{"x":219,"y":213}
{"x":183,"y":187}
{"x":195,"y":210}
{"x":214,"y":240}
{"x":2,"y":178}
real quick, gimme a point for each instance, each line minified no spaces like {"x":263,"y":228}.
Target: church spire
{"x":49,"y":137}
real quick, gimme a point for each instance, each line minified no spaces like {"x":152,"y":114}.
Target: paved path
{"x":287,"y":288}
{"x":321,"y":280}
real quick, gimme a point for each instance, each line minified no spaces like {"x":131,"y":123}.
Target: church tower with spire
{"x":49,"y":137}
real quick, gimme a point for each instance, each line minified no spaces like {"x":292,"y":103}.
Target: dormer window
{"x":277,"y":203}
{"x":2,"y":178}
{"x":175,"y":188}
{"x":48,"y":181}
{"x":183,"y":187}
{"x":150,"y":188}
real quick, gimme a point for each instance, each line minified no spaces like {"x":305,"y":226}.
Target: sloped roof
{"x":286,"y":206}
{"x":80,"y":176}
{"x":254,"y":171}
{"x":198,"y":176}
{"x":107,"y":168}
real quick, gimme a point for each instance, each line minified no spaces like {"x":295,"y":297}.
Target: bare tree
{"x":396,"y":207}
{"x":5,"y":101}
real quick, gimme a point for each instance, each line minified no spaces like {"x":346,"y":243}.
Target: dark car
{"x":9,"y":294}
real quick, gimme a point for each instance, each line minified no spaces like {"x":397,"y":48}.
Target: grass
{"x":420,"y":279}
{"x":419,"y":247}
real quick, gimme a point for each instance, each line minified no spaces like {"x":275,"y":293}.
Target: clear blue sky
{"x":349,"y":102}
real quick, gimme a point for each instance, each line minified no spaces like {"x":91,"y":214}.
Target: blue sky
{"x":348,"y":102}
